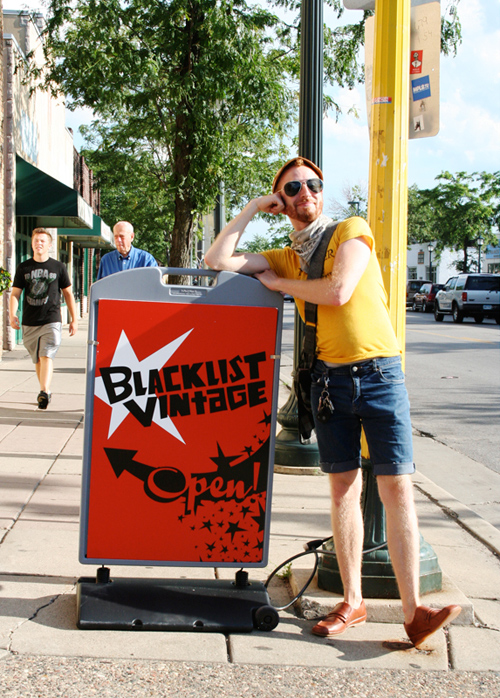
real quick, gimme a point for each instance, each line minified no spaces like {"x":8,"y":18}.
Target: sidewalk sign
{"x":181,"y":403}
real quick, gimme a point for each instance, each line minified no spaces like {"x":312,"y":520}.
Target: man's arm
{"x":70,"y":302}
{"x":15,"y":295}
{"x":100,"y":271}
{"x":222,"y":254}
{"x":350,"y":263}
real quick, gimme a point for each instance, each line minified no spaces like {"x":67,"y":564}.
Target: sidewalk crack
{"x":27,"y":620}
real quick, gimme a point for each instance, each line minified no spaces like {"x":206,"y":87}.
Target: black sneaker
{"x":43,"y":400}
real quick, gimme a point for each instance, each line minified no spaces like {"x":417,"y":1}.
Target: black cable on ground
{"x":311,"y":547}
{"x":291,"y":559}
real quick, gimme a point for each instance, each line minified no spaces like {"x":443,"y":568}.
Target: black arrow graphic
{"x":122,"y":460}
{"x":163,"y":484}
{"x":166,"y":483}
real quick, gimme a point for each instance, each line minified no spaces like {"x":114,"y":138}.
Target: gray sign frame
{"x":149,"y":284}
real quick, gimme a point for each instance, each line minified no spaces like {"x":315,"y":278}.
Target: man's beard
{"x":303,"y":214}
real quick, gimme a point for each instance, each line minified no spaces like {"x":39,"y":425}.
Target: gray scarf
{"x":305,"y":241}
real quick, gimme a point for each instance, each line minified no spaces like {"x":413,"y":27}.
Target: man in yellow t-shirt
{"x":359,"y":364}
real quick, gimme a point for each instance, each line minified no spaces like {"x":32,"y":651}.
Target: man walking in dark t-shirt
{"x":42,"y":279}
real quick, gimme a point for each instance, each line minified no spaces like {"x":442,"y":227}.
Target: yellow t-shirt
{"x":361,"y":328}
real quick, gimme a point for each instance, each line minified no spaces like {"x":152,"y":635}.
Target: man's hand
{"x":270,"y":279}
{"x":272,"y":203}
{"x":73,"y":328}
{"x":15,"y":295}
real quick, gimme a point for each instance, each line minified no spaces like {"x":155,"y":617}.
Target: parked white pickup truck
{"x":469,"y":295}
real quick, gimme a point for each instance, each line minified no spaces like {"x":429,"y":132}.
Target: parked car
{"x":469,"y":295}
{"x":424,"y":299}
{"x":412,"y":286}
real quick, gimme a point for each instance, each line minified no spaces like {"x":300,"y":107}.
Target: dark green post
{"x":288,"y":449}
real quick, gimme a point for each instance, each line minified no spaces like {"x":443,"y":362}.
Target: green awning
{"x":100,"y":235}
{"x":52,"y":203}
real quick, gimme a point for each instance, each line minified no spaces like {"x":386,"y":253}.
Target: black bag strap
{"x":311,"y":309}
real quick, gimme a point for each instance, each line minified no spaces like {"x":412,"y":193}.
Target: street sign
{"x":359,"y":4}
{"x":370,"y":4}
{"x":425,"y":46}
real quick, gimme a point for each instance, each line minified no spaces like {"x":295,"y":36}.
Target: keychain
{"x":325,"y":405}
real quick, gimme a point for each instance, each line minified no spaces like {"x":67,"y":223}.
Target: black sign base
{"x":182,"y":605}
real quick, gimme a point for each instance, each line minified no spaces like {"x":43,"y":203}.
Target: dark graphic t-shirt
{"x":42,"y":283}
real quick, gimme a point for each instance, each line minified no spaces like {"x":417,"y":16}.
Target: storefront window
{"x":64,"y":251}
{"x":77,"y":272}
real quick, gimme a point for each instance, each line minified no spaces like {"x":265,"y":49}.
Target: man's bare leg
{"x":403,"y":539}
{"x":347,"y":527}
{"x":396,"y":493}
{"x":44,"y":371}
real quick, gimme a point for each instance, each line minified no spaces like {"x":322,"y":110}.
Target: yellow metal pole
{"x":388,"y":187}
{"x":388,"y":181}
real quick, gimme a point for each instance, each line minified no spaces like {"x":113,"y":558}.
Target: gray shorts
{"x":42,"y":340}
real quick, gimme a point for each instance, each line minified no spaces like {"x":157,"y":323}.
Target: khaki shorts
{"x":42,"y":340}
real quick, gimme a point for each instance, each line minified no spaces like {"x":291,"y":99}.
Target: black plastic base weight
{"x":210,"y":605}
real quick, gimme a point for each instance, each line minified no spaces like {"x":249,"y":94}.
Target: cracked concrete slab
{"x":53,"y":632}
{"x":474,"y":649}
{"x":21,"y":598}
{"x":369,"y":646}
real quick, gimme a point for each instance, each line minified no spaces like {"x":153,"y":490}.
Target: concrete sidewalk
{"x":40,"y":474}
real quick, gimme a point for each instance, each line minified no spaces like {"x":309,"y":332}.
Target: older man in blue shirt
{"x":126,"y":256}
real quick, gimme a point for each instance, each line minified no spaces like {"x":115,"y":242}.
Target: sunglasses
{"x":292,"y":188}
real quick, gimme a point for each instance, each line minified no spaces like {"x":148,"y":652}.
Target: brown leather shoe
{"x":342,"y":617}
{"x":427,"y":620}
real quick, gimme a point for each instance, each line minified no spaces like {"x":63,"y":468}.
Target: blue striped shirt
{"x":113,"y":262}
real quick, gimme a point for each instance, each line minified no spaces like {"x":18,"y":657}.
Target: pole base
{"x":378,"y":580}
{"x":288,"y":450}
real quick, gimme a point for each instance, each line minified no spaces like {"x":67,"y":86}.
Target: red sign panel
{"x":416,"y":59}
{"x":180,"y":432}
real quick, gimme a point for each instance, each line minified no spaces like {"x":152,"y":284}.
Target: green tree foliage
{"x":186,"y":94}
{"x":354,"y":202}
{"x":278,"y":236}
{"x":259,"y":243}
{"x":456,"y":212}
{"x":420,"y":217}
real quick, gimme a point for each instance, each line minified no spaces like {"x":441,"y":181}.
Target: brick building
{"x":46,"y":182}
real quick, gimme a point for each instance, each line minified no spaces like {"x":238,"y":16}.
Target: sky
{"x":469,"y":135}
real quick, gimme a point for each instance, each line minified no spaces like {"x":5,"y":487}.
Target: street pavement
{"x":43,"y":653}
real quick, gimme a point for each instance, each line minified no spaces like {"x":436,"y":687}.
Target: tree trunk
{"x":182,"y":239}
{"x":185,"y":128}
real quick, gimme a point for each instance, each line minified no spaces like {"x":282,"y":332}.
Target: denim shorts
{"x":370,"y":394}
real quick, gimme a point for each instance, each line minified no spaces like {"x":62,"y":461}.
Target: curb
{"x":465,"y":517}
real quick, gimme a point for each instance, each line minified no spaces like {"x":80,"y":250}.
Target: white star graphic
{"x":125,"y":356}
